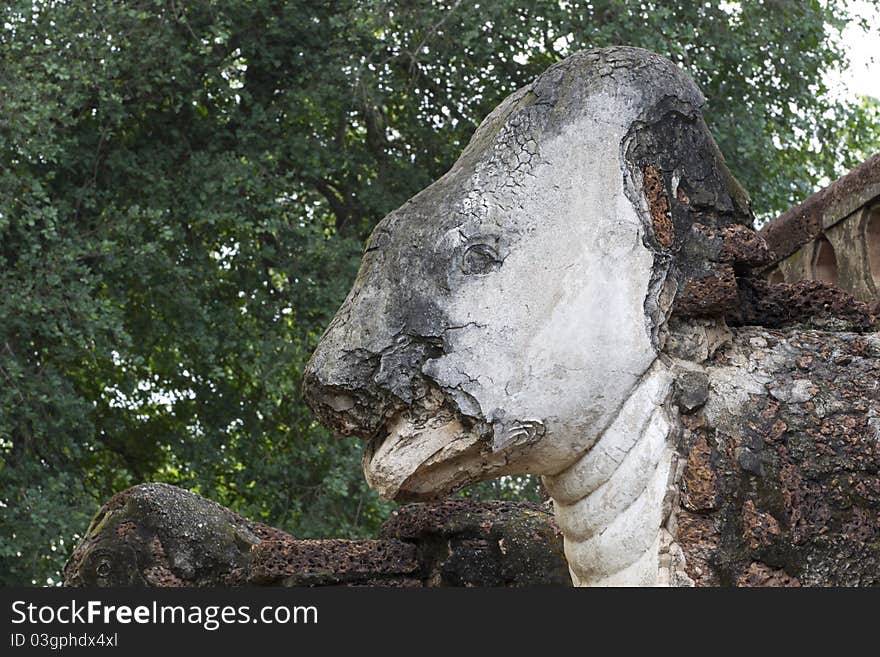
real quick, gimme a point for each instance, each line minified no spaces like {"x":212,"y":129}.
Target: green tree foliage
{"x":185,"y":188}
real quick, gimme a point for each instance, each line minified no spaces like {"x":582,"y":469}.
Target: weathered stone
{"x":691,"y":390}
{"x":661,"y":219}
{"x":807,"y":507}
{"x":712,"y":294}
{"x":462,"y":543}
{"x":700,"y":484}
{"x":551,"y":306}
{"x":802,"y":223}
{"x":330,"y":562}
{"x":811,"y":304}
{"x":741,"y":245}
{"x":833,"y":236}
{"x":550,"y":183}
{"x":759,"y":529}
{"x":592,"y":178}
{"x":700,"y":534}
{"x":759,"y":574}
{"x":159,"y":535}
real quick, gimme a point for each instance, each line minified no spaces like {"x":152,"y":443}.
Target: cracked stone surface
{"x":472,"y":331}
{"x":575,"y":298}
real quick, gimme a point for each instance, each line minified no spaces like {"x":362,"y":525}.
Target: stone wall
{"x":781,"y":449}
{"x":162,"y":536}
{"x":833,"y":236}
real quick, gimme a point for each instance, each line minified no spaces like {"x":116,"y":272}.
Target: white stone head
{"x":503,"y":315}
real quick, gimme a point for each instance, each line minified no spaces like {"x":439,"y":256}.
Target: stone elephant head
{"x":561,"y":302}
{"x":503,"y":316}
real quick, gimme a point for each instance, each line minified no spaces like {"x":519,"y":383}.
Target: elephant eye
{"x":103,"y":569}
{"x":480,"y":259}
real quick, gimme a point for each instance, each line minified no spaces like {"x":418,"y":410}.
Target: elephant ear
{"x":699,"y":218}
{"x":699,"y":225}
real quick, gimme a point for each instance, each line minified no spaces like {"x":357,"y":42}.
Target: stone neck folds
{"x":613,"y":503}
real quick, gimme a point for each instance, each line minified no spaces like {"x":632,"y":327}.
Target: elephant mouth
{"x":417,"y":460}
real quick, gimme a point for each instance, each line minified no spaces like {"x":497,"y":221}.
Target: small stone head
{"x":160,"y":535}
{"x":503,"y":315}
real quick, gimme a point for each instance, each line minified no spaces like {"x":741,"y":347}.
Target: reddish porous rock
{"x":290,"y":562}
{"x":759,"y":574}
{"x":469,"y":543}
{"x":782,"y":479}
{"x":658,"y":204}
{"x":162,"y":536}
{"x":712,"y":293}
{"x":812,"y":304}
